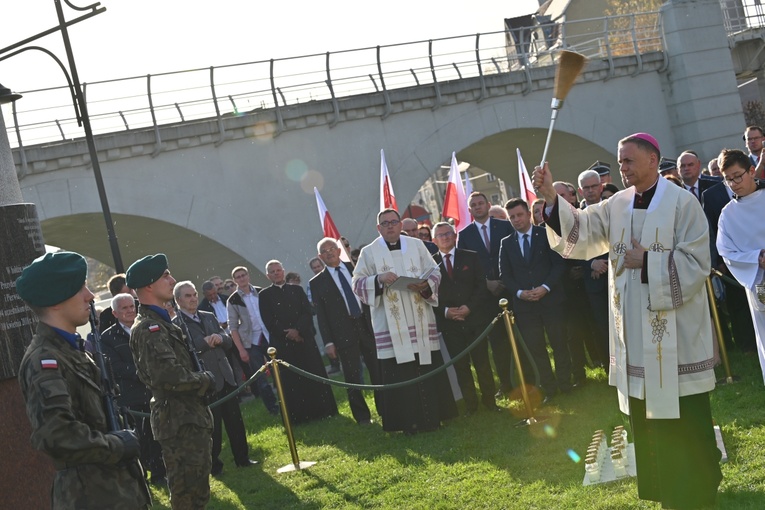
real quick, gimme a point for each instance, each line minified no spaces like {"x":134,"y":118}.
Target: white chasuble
{"x":403,"y":321}
{"x":660,"y":332}
{"x":740,"y":237}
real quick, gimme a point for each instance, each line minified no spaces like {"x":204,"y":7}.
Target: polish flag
{"x":455,"y":203}
{"x":527,"y":190}
{"x":387,"y":198}
{"x":468,"y":191}
{"x":328,"y":226}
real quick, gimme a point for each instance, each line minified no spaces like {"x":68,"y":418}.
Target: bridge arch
{"x":192,"y":256}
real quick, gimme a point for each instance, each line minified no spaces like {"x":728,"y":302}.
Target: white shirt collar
{"x":443,"y":255}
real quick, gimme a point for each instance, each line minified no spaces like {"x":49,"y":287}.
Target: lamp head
{"x":6,"y":96}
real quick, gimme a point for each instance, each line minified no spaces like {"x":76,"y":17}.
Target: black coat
{"x":471,"y":239}
{"x":546,"y":267}
{"x":466,"y":286}
{"x":115,"y":343}
{"x":335,"y":324}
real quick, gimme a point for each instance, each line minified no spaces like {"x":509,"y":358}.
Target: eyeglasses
{"x":327,"y":251}
{"x":229,"y":286}
{"x":391,"y":223}
{"x":444,"y":235}
{"x":423,"y":236}
{"x":734,"y":180}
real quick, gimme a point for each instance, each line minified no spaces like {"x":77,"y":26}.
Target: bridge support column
{"x":700,"y":90}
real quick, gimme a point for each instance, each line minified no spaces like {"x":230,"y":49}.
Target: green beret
{"x":52,"y":278}
{"x":146,"y":271}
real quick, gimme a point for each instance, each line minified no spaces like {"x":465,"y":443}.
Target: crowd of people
{"x":608,"y":278}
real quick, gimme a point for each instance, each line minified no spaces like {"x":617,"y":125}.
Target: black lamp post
{"x":80,"y":106}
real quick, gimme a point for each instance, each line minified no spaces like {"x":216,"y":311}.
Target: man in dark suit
{"x":754,"y":137}
{"x":690,"y":172}
{"x":344,"y":319}
{"x":212,"y":343}
{"x":715,"y":198}
{"x":133,"y":394}
{"x":533,"y":273}
{"x":461,"y":315}
{"x":484,"y":236}
{"x":214,"y":303}
{"x":409,"y":225}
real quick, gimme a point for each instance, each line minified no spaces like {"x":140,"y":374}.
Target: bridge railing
{"x":742,"y":16}
{"x":47,"y":115}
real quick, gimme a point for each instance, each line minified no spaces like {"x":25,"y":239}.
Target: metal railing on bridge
{"x":139,"y":102}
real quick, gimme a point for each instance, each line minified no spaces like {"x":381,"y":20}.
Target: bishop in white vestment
{"x":661,"y":352}
{"x":404,"y":325}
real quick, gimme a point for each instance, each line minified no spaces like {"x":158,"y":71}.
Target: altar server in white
{"x":741,"y":235}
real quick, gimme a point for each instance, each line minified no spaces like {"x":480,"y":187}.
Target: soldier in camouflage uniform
{"x":180,"y":419}
{"x":61,"y":386}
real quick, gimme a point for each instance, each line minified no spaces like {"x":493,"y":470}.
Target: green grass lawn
{"x":481,"y":461}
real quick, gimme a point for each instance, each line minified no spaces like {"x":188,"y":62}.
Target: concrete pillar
{"x":700,"y":90}
{"x":26,"y":475}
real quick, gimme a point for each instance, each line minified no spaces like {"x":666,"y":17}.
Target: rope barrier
{"x":228,"y":397}
{"x":373,"y":387}
{"x":726,"y":278}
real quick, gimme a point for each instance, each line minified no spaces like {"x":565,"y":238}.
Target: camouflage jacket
{"x":61,"y":387}
{"x":164,"y":365}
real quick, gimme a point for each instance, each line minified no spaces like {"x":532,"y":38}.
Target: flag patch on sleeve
{"x":154,"y":328}
{"x":49,"y":363}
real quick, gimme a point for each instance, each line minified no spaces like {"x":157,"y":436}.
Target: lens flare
{"x":296,"y":169}
{"x":573,"y":456}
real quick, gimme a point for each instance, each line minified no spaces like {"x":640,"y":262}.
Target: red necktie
{"x":448,"y":257}
{"x":486,"y":238}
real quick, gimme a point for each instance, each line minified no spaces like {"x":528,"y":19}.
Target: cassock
{"x":286,"y":307}
{"x":740,"y":237}
{"x":406,"y":337}
{"x":661,"y":356}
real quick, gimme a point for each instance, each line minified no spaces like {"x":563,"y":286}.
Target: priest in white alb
{"x":405,"y":331}
{"x":661,"y":353}
{"x":741,"y":235}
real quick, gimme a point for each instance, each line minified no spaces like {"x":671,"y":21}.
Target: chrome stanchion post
{"x":296,"y":464}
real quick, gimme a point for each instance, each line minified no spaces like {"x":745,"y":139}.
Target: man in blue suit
{"x":533,"y":274}
{"x":484,"y":236}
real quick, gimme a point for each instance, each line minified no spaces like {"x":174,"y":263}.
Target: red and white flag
{"x":328,"y":226}
{"x":468,"y":191}
{"x":387,"y":197}
{"x":527,"y":190}
{"x":455,"y":203}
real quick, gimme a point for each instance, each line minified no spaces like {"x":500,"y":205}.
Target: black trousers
{"x":458,"y":335}
{"x":533,"y":324}
{"x":258,"y":357}
{"x":151,"y":451}
{"x":678,"y":463}
{"x":501,"y":352}
{"x":229,"y":415}
{"x":362,"y":345}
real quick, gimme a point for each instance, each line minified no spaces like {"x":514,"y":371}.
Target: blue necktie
{"x":353,"y":305}
{"x":526,"y":248}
